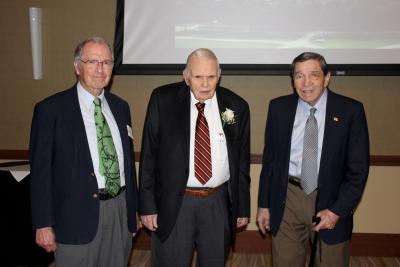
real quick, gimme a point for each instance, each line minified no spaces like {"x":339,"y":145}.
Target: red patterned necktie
{"x":202,"y":148}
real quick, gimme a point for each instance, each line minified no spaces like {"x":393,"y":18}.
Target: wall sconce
{"x":35,"y":21}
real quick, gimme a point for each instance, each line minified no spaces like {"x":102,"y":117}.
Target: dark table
{"x":18,"y":247}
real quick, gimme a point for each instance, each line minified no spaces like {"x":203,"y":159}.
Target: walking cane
{"x":315,"y":220}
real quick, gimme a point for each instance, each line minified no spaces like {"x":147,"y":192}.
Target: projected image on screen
{"x":261,"y":32}
{"x":254,"y":24}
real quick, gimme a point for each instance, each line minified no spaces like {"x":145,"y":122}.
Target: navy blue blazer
{"x":344,"y":163}
{"x":164,"y":163}
{"x":63,"y":183}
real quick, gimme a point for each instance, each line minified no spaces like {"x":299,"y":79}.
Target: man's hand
{"x":138,"y":225}
{"x":263,"y":219}
{"x":241,"y":222}
{"x":150,"y":221}
{"x":328,"y":220}
{"x":46,"y":238}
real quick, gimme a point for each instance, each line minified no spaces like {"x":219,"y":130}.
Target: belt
{"x":104,"y":195}
{"x":201,"y":191}
{"x":295,"y":181}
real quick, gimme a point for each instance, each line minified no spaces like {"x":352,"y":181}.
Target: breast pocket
{"x":221,"y":146}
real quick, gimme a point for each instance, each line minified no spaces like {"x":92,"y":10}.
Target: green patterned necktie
{"x":108,"y":160}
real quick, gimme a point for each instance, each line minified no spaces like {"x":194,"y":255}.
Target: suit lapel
{"x":289,"y":116}
{"x":329,"y":131}
{"x":182,"y":119}
{"x":223,"y":104}
{"x":78,"y":127}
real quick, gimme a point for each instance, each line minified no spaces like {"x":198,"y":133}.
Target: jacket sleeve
{"x":41,"y":156}
{"x":148,"y":161}
{"x":267,"y":162}
{"x":356,"y":165}
{"x":244,"y":162}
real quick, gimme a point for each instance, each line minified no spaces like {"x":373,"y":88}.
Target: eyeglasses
{"x":93,"y":63}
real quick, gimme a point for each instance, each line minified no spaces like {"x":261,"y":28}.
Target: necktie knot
{"x":97,"y":101}
{"x":200,"y":107}
{"x":312,"y":111}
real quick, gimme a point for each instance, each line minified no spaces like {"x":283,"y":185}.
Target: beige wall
{"x":65,"y":23}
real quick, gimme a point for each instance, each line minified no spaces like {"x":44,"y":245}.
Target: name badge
{"x":129,"y":131}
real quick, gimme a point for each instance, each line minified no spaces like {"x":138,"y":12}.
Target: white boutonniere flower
{"x":228,"y":117}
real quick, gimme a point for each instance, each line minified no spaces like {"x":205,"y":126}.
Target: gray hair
{"x":202,"y":53}
{"x":97,"y":40}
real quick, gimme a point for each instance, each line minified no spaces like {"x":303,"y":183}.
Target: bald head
{"x":202,"y":54}
{"x":202,"y":73}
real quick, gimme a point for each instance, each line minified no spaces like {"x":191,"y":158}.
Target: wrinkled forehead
{"x":310,"y":65}
{"x":92,"y":48}
{"x":202,"y":65}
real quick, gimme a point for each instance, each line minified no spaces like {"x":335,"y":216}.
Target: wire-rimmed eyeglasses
{"x":93,"y":63}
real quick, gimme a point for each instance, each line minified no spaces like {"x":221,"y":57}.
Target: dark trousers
{"x":202,"y":225}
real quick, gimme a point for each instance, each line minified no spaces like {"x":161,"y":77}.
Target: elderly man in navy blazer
{"x":315,"y":162}
{"x":83,"y":181}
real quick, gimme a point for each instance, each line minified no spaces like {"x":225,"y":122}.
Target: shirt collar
{"x":208,"y":102}
{"x":88,"y":97}
{"x":319,"y":106}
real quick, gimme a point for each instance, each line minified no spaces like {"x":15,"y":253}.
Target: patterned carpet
{"x":141,"y":258}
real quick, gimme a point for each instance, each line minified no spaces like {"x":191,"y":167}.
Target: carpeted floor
{"x":141,"y":258}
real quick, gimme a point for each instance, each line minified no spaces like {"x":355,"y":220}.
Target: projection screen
{"x":357,"y":37}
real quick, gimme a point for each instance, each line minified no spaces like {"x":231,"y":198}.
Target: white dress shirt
{"x":87,"y":109}
{"x":302,"y":113}
{"x":219,"y":152}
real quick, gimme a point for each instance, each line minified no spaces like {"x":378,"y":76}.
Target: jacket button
{"x":95,"y":195}
{"x":92,"y":174}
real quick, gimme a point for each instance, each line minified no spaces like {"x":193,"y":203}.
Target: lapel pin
{"x":335,"y":119}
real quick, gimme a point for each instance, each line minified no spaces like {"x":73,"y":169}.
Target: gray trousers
{"x":202,"y":225}
{"x":111,"y":246}
{"x":289,"y":246}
